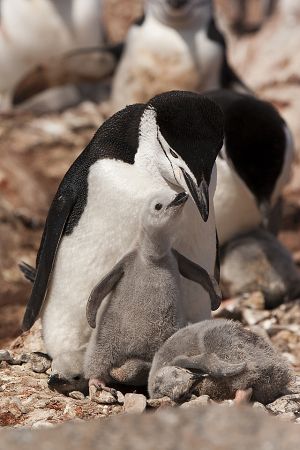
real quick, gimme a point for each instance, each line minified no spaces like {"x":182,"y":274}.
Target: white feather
{"x":33,"y":31}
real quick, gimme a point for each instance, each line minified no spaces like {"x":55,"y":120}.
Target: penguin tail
{"x":28,"y":271}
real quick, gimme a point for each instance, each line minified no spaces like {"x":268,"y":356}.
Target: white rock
{"x":135,"y":403}
{"x":203,"y":400}
{"x":77,"y":395}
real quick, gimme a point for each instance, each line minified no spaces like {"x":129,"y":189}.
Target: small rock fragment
{"x":134,"y":403}
{"x":160,"y":402}
{"x":255,"y":300}
{"x":286,"y":404}
{"x":77,"y":395}
{"x":42,"y":424}
{"x":253,"y":316}
{"x":103,"y":398}
{"x":120,"y":397}
{"x":39,"y":363}
{"x":5,"y":355}
{"x":203,"y":400}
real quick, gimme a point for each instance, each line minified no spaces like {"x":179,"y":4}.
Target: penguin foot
{"x":97,"y":385}
{"x":243,"y":396}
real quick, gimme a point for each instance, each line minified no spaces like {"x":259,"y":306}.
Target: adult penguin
{"x":253,"y":166}
{"x":173,"y":140}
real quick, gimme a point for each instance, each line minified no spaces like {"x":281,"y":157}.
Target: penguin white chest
{"x":235,"y":207}
{"x":157,"y":58}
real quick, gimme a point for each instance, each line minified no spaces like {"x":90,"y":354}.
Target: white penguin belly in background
{"x":159,"y":58}
{"x":235,"y":207}
{"x":32,"y":32}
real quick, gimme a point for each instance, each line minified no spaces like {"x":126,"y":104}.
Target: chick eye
{"x":173,"y":153}
{"x":158,"y":206}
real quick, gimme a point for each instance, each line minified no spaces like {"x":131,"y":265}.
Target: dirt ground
{"x":36,"y":151}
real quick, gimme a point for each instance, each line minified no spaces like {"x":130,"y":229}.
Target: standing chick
{"x":228,"y":360}
{"x":144,"y":307}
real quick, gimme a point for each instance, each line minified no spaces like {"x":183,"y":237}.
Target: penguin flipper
{"x":209,"y":363}
{"x":58,"y":215}
{"x":28,"y":271}
{"x":101,"y":290}
{"x":196,"y":273}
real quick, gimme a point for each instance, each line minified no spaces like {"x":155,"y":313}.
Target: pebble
{"x":120,"y":397}
{"x":5,"y":355}
{"x":286,"y":404}
{"x":42,"y":424}
{"x":39,"y":364}
{"x":160,"y":402}
{"x":103,"y":398}
{"x":255,"y":300}
{"x":134,"y":403}
{"x":253,"y":316}
{"x":203,"y":400}
{"x":77,"y":395}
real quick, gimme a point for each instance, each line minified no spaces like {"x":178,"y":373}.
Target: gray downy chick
{"x":257,"y":261}
{"x":227,"y":359}
{"x":144,"y":305}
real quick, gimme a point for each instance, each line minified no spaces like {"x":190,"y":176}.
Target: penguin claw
{"x":98,"y":385}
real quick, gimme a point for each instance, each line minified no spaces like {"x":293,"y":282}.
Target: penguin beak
{"x":180,"y":199}
{"x":199,"y":193}
{"x":265,"y":210}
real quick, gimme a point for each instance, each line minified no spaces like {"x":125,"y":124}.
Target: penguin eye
{"x":173,"y":153}
{"x":158,"y":206}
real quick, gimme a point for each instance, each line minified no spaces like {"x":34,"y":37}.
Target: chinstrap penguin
{"x":253,"y":166}
{"x":176,"y":45}
{"x":144,"y":304}
{"x":257,"y":261}
{"x":171,"y":141}
{"x":221,"y":359}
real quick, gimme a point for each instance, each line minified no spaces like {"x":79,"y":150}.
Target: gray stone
{"x":286,"y":404}
{"x":135,"y":403}
{"x":5,"y":355}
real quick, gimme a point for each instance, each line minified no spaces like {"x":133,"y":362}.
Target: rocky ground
{"x":36,"y":151}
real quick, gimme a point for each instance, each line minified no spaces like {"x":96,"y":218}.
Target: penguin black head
{"x":256,"y":143}
{"x":189,"y":135}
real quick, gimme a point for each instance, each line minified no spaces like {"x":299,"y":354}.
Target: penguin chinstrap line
{"x":254,"y":165}
{"x":144,"y":285}
{"x":173,"y":142}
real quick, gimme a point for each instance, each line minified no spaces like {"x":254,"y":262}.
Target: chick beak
{"x":199,"y":194}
